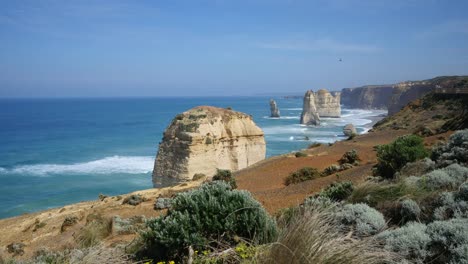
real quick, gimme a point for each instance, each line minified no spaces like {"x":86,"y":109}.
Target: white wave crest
{"x":108,"y":165}
{"x":282,"y":117}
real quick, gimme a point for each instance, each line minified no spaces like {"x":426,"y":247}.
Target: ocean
{"x":55,"y":152}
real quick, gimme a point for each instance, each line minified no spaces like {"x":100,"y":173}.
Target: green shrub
{"x":350,"y":157}
{"x":438,"y":242}
{"x":338,"y":191}
{"x":304,"y":174}
{"x":392,"y":157}
{"x":225,"y":175}
{"x":449,"y":240}
{"x":448,"y":178}
{"x":410,"y":241}
{"x":314,"y":145}
{"x":453,"y":204}
{"x":331,"y":169}
{"x":455,"y":151}
{"x":365,"y":221}
{"x":409,"y":210}
{"x":300,"y":154}
{"x":206,"y":217}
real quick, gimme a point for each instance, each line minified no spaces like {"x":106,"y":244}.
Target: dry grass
{"x":312,"y":237}
{"x":96,"y":229}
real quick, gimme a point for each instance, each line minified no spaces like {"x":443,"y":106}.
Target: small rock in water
{"x":349,"y":130}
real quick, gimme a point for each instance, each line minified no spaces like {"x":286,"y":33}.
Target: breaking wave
{"x":107,"y":165}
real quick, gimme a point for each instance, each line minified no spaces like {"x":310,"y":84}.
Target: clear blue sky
{"x":224,"y":47}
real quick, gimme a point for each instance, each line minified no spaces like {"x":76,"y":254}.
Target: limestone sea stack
{"x":274,"y":109}
{"x":309,"y":114}
{"x":328,"y":104}
{"x":205,"y":138}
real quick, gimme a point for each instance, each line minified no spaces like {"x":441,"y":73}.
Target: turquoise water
{"x":59,"y":151}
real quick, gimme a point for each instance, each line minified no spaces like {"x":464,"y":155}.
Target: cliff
{"x":206,"y":138}
{"x":405,"y":92}
{"x":309,"y":114}
{"x":367,"y":97}
{"x":274,"y":109}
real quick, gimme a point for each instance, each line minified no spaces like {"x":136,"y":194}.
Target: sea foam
{"x":107,"y":165}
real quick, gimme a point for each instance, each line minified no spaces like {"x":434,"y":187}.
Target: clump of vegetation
{"x":207,"y":217}
{"x":409,"y":210}
{"x":338,"y":191}
{"x":312,"y":236}
{"x":392,"y":157}
{"x":314,"y":145}
{"x":438,"y":242}
{"x":163,"y":203}
{"x":350,"y":157}
{"x":448,"y":178}
{"x":134,"y":199}
{"x":225,"y":175}
{"x":300,"y":154}
{"x":364,"y":220}
{"x":198,"y":176}
{"x":97,"y":228}
{"x":68,"y":221}
{"x":455,"y":151}
{"x":304,"y":174}
{"x":453,"y":204}
{"x":331,"y":169}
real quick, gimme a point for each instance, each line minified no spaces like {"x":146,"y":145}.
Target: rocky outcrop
{"x":309,"y":114}
{"x":367,"y":97}
{"x":405,"y":92}
{"x":349,"y":130}
{"x":320,"y":104}
{"x":274,"y":109}
{"x":328,"y":104}
{"x":206,"y":138}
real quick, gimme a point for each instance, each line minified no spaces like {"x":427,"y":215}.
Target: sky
{"x":56,"y":48}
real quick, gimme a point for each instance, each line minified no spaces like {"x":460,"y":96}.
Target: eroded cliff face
{"x":405,"y":92}
{"x":205,"y":138}
{"x":309,"y":114}
{"x":367,"y":97}
{"x":328,"y":104}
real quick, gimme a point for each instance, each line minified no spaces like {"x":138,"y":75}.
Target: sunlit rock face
{"x":207,"y":138}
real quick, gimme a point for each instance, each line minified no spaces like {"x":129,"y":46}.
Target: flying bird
{"x":340,"y":59}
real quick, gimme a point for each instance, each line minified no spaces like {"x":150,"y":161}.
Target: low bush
{"x":96,"y":229}
{"x":455,"y":151}
{"x":448,"y":178}
{"x":409,"y":210}
{"x":350,"y":157}
{"x":312,"y":236}
{"x":363,"y":220}
{"x":304,"y":174}
{"x":410,"y":241}
{"x":453,"y":204}
{"x":314,"y":145}
{"x":392,"y":157}
{"x":338,"y":191}
{"x":225,"y":175}
{"x":300,"y":154}
{"x":438,"y":242}
{"x":331,"y":169}
{"x":206,"y":217}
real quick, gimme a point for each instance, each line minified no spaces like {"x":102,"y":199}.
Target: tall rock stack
{"x":328,"y":105}
{"x":309,"y":114}
{"x":320,"y":104}
{"x":274,"y":109}
{"x":206,"y":138}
